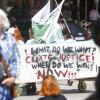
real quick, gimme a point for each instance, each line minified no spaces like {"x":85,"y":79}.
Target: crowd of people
{"x":10,"y":63}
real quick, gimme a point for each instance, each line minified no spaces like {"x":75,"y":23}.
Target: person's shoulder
{"x":41,"y":98}
{"x":63,"y":97}
{"x":92,"y":97}
{"x":59,"y":97}
{"x":8,"y":35}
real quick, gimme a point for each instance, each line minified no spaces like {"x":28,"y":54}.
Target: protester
{"x":31,"y":87}
{"x":17,"y":34}
{"x":50,"y":89}
{"x":10,"y":58}
{"x":96,"y":94}
{"x":96,"y":38}
{"x":96,"y":33}
{"x":31,"y":37}
{"x":15,"y":14}
{"x":94,"y":14}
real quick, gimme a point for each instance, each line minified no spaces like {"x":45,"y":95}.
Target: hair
{"x":50,"y":86}
{"x":3,"y":16}
{"x":17,"y":34}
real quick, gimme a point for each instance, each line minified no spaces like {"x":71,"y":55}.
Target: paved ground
{"x":71,"y":92}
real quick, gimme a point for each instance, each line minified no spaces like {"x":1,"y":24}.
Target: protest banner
{"x":72,"y":60}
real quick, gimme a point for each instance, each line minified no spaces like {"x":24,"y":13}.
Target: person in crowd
{"x":31,"y":37}
{"x":94,"y":14}
{"x":15,"y":14}
{"x":96,"y":33}
{"x":31,"y":87}
{"x":96,"y":94}
{"x":10,"y":58}
{"x":96,"y":38}
{"x":17,"y":34}
{"x":50,"y":89}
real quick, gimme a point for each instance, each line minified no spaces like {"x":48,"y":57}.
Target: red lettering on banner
{"x":88,"y":58}
{"x":64,"y":57}
{"x":81,"y":57}
{"x":58,"y":73}
{"x":28,"y":59}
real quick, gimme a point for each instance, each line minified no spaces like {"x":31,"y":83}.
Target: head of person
{"x":4,"y":22}
{"x":50,"y":86}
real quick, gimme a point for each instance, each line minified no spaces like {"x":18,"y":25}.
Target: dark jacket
{"x":92,"y":97}
{"x":59,"y":97}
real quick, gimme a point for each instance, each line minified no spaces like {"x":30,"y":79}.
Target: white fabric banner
{"x":72,"y":60}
